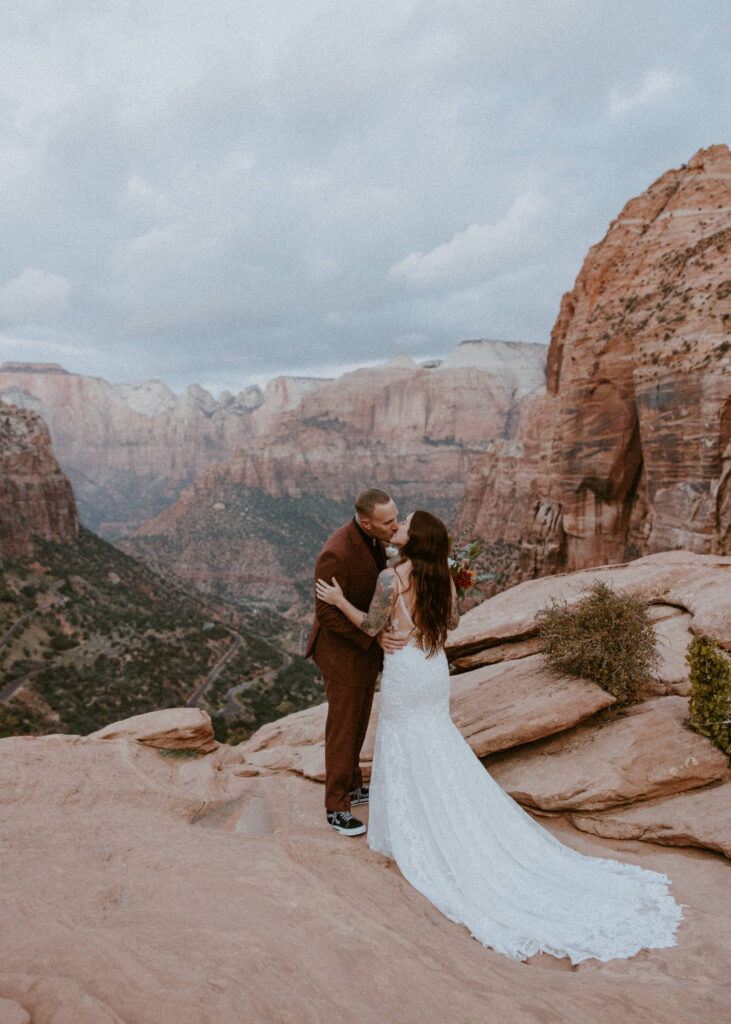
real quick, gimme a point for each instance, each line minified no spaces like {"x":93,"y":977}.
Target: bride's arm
{"x":453,"y":620}
{"x":379,"y":611}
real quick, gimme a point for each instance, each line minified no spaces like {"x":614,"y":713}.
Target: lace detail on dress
{"x":477,"y":856}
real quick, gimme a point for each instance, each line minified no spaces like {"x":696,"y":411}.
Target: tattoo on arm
{"x":379,"y":611}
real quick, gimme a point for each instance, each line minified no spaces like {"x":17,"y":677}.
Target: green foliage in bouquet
{"x":710,"y":700}
{"x":606,"y":636}
{"x":464,"y":561}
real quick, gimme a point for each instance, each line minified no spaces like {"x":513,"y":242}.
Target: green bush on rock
{"x":710,"y":700}
{"x":606,"y":636}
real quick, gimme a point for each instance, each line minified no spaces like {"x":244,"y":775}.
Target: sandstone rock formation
{"x":192,"y":892}
{"x":555,"y":742}
{"x":130,"y":449}
{"x":242,"y":527}
{"x":396,"y":423}
{"x":629,"y":451}
{"x":36,"y":500}
{"x":214,"y":880}
{"x":170,"y":729}
{"x":700,"y":585}
{"x":645,"y":754}
{"x":689,"y":819}
{"x":483,"y":706}
{"x":484,"y":702}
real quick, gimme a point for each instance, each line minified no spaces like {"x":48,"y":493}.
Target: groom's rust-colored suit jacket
{"x":338,"y":647}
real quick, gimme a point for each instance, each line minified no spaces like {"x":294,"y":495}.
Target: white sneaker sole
{"x":348,"y":831}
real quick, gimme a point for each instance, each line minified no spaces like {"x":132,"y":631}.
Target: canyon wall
{"x":250,"y":524}
{"x":129,"y":449}
{"x":36,"y":500}
{"x":629,"y":451}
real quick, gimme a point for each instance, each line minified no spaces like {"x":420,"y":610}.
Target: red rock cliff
{"x":630,"y":450}
{"x":36,"y":500}
{"x":410,"y":429}
{"x":129,"y":449}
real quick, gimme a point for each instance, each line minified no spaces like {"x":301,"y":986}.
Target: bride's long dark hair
{"x":428,"y":549}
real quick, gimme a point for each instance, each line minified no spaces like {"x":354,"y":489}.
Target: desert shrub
{"x":220,"y":727}
{"x":61,"y":642}
{"x":606,"y":636}
{"x":10,"y":724}
{"x":17,"y":720}
{"x":710,"y":700}
{"x":217,"y":632}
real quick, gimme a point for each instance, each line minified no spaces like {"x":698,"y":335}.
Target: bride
{"x":456,"y":836}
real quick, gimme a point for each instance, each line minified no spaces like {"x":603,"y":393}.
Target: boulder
{"x":512,"y":703}
{"x":647,"y":753}
{"x":673,"y":636}
{"x":295,"y":744}
{"x":169,"y":729}
{"x":699,"y":818}
{"x":494,"y":707}
{"x":698,"y":584}
{"x":502,"y":652}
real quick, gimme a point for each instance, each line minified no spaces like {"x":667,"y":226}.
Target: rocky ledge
{"x":151,"y":874}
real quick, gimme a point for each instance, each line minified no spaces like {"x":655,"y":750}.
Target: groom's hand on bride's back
{"x":390,"y":642}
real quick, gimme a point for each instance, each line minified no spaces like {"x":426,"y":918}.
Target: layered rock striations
{"x":630,"y":450}
{"x":36,"y":500}
{"x":129,"y":449}
{"x":252,"y":523}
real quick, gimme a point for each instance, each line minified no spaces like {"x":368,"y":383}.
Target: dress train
{"x":473,"y":852}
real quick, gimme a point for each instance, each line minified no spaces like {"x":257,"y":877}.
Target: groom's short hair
{"x":368,"y":499}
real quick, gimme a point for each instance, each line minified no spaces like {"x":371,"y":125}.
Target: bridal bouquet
{"x":461,"y":562}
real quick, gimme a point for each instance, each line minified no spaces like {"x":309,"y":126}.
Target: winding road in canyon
{"x":217,"y":668}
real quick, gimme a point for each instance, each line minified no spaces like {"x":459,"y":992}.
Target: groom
{"x":349,"y":659}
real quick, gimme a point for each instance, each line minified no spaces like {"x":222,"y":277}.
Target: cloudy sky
{"x":217,"y":192}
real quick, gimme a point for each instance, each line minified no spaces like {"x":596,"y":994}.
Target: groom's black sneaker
{"x":359,"y":795}
{"x":344,"y":823}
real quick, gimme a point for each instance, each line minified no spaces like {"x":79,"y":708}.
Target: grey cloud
{"x":274,"y":187}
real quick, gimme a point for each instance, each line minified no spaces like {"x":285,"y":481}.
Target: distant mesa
{"x":401,"y":360}
{"x":131,"y":449}
{"x":413,"y":431}
{"x":32,"y":368}
{"x":518,"y":361}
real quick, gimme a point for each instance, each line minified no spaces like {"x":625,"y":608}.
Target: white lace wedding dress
{"x":473,"y":852}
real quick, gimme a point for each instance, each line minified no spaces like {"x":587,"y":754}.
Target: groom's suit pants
{"x":349,"y":707}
